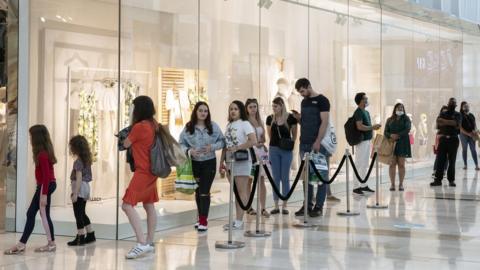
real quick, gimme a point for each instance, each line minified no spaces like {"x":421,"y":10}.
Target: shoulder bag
{"x":284,"y":143}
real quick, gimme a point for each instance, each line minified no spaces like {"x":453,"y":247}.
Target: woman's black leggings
{"x":204,"y":173}
{"x":80,"y":215}
{"x":32,"y":213}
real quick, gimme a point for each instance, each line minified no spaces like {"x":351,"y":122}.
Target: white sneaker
{"x":139,"y":250}
{"x":237,"y":225}
{"x":196,"y":225}
{"x":202,"y":228}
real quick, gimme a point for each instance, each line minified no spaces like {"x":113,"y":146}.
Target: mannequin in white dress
{"x":422,"y":137}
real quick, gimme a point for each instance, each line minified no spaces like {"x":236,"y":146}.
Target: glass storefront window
{"x":89,"y":59}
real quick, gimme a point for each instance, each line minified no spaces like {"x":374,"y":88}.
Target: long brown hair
{"x":79,"y":146}
{"x":280,"y":102}
{"x":40,"y":140}
{"x":190,"y":126}
{"x":257,"y":115}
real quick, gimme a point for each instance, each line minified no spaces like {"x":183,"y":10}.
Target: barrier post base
{"x":377,"y":206}
{"x":303,"y":225}
{"x":256,"y":233}
{"x":229,"y":244}
{"x":347,"y":213}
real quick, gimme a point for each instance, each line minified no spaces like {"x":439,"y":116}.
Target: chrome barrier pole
{"x":230,"y":244}
{"x":306,"y":176}
{"x":348,"y":212}
{"x":377,"y":204}
{"x":258,"y":232}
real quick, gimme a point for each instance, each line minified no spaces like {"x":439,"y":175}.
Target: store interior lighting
{"x":265,"y":3}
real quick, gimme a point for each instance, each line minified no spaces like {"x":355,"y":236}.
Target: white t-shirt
{"x":237,"y":133}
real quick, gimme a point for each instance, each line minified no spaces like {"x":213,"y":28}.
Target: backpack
{"x":353,"y":135}
{"x":159,"y":165}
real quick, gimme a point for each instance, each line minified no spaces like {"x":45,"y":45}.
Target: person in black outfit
{"x":448,"y":124}
{"x":468,"y":134}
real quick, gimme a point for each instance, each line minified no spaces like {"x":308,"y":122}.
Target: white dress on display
{"x":175,"y":122}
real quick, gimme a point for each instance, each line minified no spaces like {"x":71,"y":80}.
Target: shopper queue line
{"x":202,"y":137}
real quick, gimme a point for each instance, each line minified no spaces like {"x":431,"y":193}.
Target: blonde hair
{"x":284,"y":114}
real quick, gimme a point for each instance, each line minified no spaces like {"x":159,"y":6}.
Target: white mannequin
{"x":423,"y":136}
{"x":283,"y":90}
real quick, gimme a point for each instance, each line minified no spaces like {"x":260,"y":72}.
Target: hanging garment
{"x":88,"y":120}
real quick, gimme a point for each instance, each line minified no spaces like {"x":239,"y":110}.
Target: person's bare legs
{"x":151,"y":221}
{"x":263,"y":193}
{"x":392,"y":173}
{"x":134,"y":220}
{"x":401,"y":171}
{"x":243,"y":190}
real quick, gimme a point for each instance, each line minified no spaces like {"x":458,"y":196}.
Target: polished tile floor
{"x":423,"y":228}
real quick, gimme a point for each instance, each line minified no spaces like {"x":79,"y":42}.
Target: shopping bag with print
{"x":185,"y":182}
{"x":320,"y":161}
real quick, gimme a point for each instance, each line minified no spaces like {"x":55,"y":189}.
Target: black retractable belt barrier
{"x":317,"y":173}
{"x":363,"y":181}
{"x":250,"y":200}
{"x":274,"y":185}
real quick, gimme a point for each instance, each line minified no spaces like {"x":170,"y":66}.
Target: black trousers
{"x":34,"y":208}
{"x":80,"y":215}
{"x":204,"y":173}
{"x":447,"y":151}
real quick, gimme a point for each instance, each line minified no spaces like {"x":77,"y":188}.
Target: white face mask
{"x":400,"y":113}
{"x":130,"y":113}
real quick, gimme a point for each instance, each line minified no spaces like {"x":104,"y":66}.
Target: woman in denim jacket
{"x":200,"y":139}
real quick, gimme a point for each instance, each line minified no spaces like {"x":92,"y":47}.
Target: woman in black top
{"x":281,"y":125}
{"x":468,"y":134}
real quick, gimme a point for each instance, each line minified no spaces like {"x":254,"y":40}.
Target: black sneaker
{"x":78,"y":241}
{"x":435,"y":184}
{"x":358,"y":191}
{"x":315,"y":212}
{"x":452,"y":184}
{"x":90,"y":238}
{"x":300,"y":213}
{"x":367,"y":189}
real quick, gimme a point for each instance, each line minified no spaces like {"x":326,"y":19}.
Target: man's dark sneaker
{"x":300,"y":213}
{"x":452,"y":184}
{"x":435,"y":184}
{"x":78,"y":241}
{"x":315,"y":212}
{"x":358,"y":191}
{"x":367,"y":189}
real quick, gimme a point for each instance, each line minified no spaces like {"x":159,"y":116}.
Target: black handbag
{"x":241,"y":155}
{"x":285,"y":143}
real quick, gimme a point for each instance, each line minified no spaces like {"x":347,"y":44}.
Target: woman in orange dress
{"x":142,"y":187}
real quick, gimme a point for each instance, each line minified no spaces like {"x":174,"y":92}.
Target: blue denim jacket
{"x":201,"y":138}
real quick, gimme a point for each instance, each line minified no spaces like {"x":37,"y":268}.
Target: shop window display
{"x":180,"y":52}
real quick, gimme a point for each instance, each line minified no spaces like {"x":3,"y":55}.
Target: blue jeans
{"x":322,"y":189}
{"x":467,"y":142}
{"x":281,"y":161}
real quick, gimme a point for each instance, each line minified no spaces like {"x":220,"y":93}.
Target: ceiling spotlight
{"x":264,"y":3}
{"x":42,"y":19}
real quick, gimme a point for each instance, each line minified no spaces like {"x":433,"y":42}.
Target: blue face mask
{"x":399,"y":113}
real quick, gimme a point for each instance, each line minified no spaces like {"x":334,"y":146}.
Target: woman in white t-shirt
{"x":239,"y":136}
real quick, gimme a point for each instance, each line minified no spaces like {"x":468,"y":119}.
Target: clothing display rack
{"x":99,"y":75}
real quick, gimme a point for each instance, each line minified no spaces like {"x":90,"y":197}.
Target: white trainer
{"x":139,"y":250}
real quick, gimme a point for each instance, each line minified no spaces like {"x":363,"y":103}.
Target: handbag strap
{"x":278,"y":130}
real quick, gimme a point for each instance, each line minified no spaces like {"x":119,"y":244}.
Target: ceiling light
{"x":42,"y":19}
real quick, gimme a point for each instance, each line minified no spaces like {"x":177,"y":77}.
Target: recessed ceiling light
{"x":42,"y":19}
{"x":59,"y":17}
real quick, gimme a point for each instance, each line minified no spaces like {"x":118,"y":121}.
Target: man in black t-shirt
{"x":448,"y":124}
{"x":313,"y":120}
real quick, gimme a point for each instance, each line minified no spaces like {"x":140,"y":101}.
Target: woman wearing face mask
{"x":239,"y":137}
{"x":468,"y":134}
{"x":201,"y":138}
{"x":397,"y":128}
